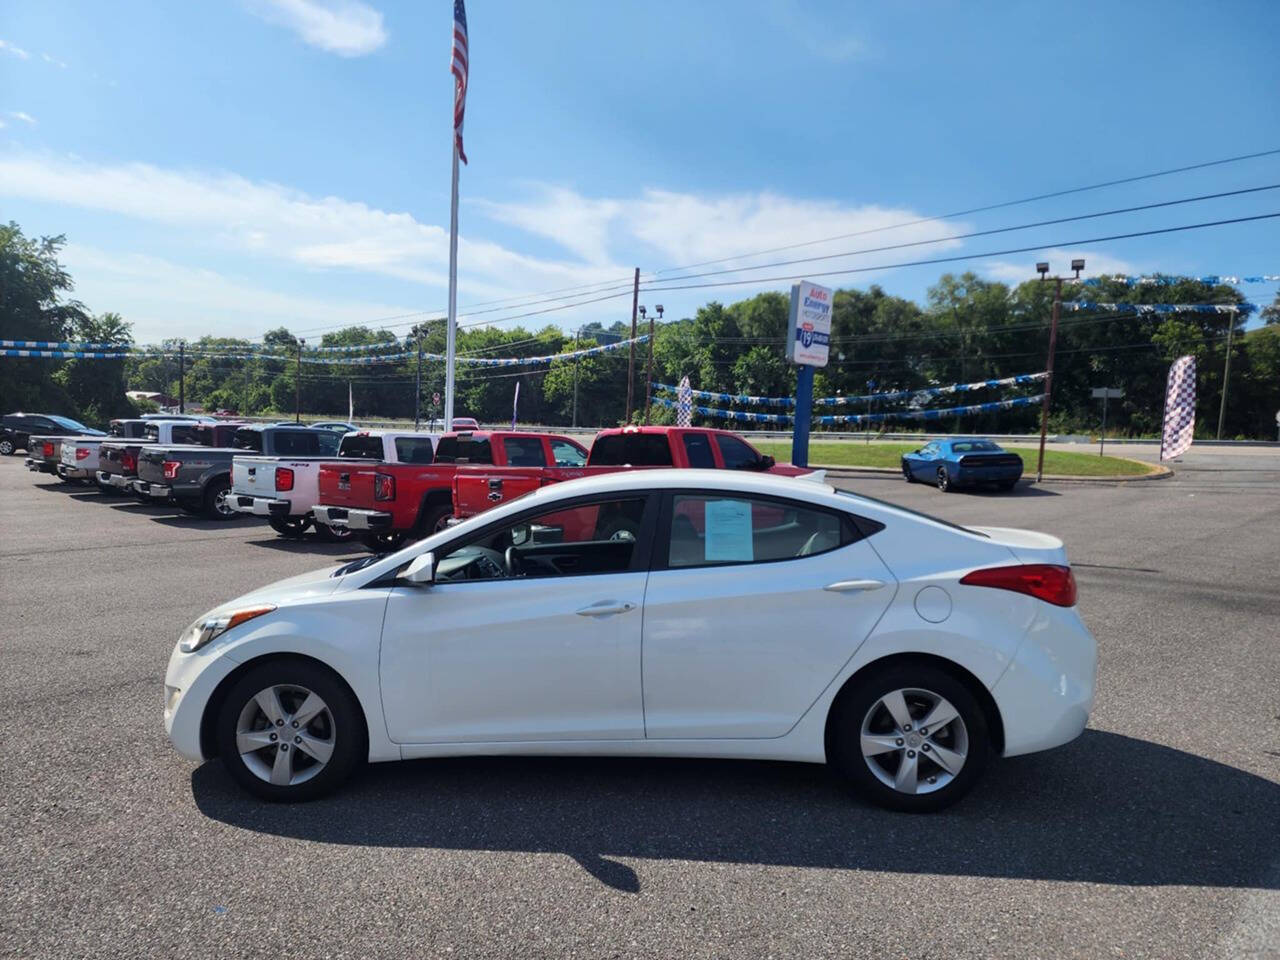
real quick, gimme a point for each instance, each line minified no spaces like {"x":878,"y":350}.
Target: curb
{"x":1159,"y":473}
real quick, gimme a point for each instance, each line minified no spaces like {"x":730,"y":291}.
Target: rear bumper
{"x":73,"y":473}
{"x":158,"y":491}
{"x":987,"y":475}
{"x":258,"y":506}
{"x":353,"y":519}
{"x":37,"y":466}
{"x":1045,"y":696}
{"x":118,"y":480}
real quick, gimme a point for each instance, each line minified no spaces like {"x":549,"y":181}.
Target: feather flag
{"x":1179,"y":409}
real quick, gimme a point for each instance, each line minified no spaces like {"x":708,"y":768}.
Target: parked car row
{"x":381,"y":488}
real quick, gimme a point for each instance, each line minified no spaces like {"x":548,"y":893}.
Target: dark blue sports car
{"x":962,"y":462}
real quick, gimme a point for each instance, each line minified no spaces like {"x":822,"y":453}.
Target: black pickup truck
{"x":194,"y":475}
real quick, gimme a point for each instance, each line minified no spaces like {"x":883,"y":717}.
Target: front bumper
{"x":353,"y":519}
{"x":258,"y":506}
{"x":1045,"y":696}
{"x":189,"y":682}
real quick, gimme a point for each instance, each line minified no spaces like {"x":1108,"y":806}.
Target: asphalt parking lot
{"x":1156,"y":834}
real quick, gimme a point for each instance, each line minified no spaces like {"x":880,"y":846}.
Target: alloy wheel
{"x":944,"y":479}
{"x":914,"y":741}
{"x":285,"y":735}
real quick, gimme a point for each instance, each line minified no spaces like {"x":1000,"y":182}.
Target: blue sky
{"x":232,"y":166}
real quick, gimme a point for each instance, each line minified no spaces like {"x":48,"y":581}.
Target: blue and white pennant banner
{"x":1161,"y":307}
{"x":749,"y":401}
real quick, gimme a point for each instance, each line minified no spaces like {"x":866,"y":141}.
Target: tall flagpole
{"x":451,"y":337}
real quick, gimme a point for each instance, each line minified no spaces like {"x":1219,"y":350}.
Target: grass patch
{"x":856,"y":453}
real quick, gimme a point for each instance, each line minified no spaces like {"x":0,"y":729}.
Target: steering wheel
{"x":514,"y":567}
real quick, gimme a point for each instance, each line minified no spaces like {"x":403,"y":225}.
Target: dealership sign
{"x":810,"y":324}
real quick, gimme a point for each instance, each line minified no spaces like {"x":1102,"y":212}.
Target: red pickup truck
{"x":387,"y":503}
{"x":476,"y":489}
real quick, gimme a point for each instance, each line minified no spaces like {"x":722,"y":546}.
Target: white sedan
{"x":750,"y":616}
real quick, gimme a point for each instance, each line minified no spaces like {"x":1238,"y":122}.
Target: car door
{"x":922,"y":462}
{"x":531,"y":631}
{"x":753,"y":606}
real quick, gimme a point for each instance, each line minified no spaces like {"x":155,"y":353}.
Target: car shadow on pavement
{"x":1105,"y":809}
{"x":309,"y":543}
{"x":191,"y":521}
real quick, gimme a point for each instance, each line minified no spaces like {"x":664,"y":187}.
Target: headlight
{"x":210,"y":628}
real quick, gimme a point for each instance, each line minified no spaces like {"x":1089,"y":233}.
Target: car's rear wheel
{"x":6,"y":447}
{"x":289,"y":526}
{"x":334,"y":534}
{"x":944,"y":480}
{"x":434,"y":519}
{"x":216,"y":503}
{"x":289,"y":730}
{"x":386,"y":542}
{"x":910,"y":737}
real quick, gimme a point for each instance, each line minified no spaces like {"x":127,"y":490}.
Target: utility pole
{"x":577,"y":334}
{"x":1042,"y":269}
{"x":297,"y":387}
{"x":631,"y":349}
{"x":648,"y":377}
{"x":417,"y":387}
{"x":1226,"y":375}
{"x":182,"y":379}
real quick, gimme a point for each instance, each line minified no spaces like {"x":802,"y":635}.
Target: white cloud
{"x":9,"y":48}
{"x":62,"y":64}
{"x":24,"y":117}
{"x":164,"y":299}
{"x":348,"y":28}
{"x":1096,"y":264}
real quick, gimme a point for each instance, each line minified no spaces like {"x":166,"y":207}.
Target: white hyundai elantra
{"x":726,"y":615}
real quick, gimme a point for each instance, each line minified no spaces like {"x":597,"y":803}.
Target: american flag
{"x":1179,"y":409}
{"x":459,"y":67}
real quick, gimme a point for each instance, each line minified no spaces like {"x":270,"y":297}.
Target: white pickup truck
{"x":283,"y":483}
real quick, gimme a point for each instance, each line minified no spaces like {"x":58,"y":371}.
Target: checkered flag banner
{"x":684,"y":404}
{"x":1179,"y":409}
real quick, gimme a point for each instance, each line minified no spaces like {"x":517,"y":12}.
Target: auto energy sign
{"x":810,"y":324}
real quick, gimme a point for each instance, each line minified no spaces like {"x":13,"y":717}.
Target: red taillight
{"x":1044,"y":581}
{"x":82,"y":453}
{"x":384,"y":486}
{"x":284,"y":478}
{"x":48,"y":450}
{"x":129,"y":461}
{"x":171,"y":468}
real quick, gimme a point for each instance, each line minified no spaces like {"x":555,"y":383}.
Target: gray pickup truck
{"x":194,"y":475}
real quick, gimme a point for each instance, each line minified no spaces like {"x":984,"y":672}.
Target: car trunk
{"x":1027,"y":546}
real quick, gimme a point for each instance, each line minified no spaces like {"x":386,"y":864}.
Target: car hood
{"x":317,"y":583}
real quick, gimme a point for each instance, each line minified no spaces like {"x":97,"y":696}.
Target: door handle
{"x":605,"y":607}
{"x":853,"y":586}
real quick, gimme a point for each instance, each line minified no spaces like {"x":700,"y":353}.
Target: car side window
{"x":709,"y":530}
{"x":414,"y":450}
{"x":567,"y":454}
{"x":737,"y":454}
{"x":593,"y":537}
{"x":697,"y":447}
{"x":524,"y":451}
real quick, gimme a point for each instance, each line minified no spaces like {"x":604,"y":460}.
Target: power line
{"x":973,"y":210}
{"x":970,"y":256}
{"x":982,"y":233}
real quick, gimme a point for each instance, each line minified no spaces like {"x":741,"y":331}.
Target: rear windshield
{"x":414,"y":450}
{"x":248,"y":440}
{"x":184,"y":434}
{"x":304,"y":443}
{"x":464,"y":450}
{"x":974,"y":446}
{"x":636,"y":449}
{"x":356,"y":446}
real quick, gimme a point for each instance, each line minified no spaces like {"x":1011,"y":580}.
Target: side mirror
{"x":421,"y":571}
{"x":767,"y":462}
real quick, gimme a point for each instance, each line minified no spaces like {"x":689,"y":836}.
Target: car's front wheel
{"x":910,"y":737}
{"x":331,"y":534}
{"x":289,"y":730}
{"x":906,"y":473}
{"x":6,"y":447}
{"x":289,"y":526}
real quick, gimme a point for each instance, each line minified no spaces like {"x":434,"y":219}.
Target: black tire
{"x":214,"y":503}
{"x":388,"y":542}
{"x":347,"y":732}
{"x":7,"y":448}
{"x":291,"y":527}
{"x":620,"y":529}
{"x":106,"y":489}
{"x":334,"y":534}
{"x":844,"y":750}
{"x":906,"y":473}
{"x":944,"y":480}
{"x":433,"y":519}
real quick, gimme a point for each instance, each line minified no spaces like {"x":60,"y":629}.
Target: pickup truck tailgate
{"x":347,"y":485}
{"x":254,"y":476}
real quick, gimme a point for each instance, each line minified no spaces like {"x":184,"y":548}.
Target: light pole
{"x":1042,"y":268}
{"x":577,"y":338}
{"x":648,"y":377}
{"x":297,"y":386}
